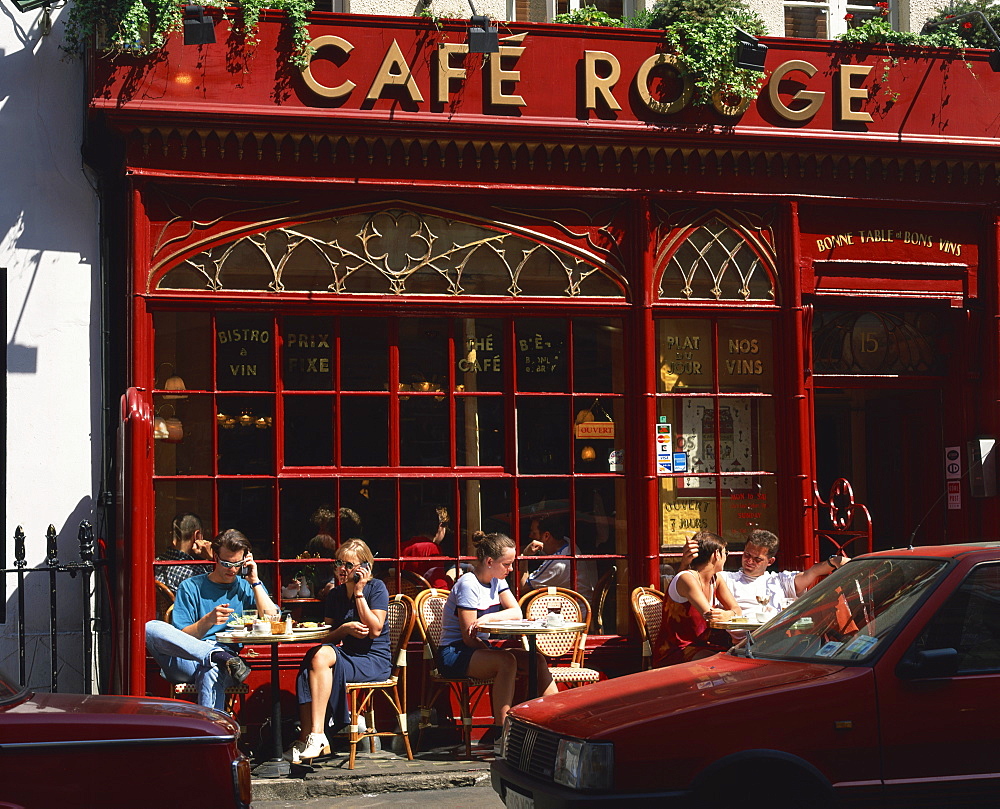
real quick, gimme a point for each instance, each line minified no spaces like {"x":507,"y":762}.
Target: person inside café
{"x":754,"y":586}
{"x":428,"y":532}
{"x":479,"y":597}
{"x":186,"y":650}
{"x":188,"y":544}
{"x":695,"y":598}
{"x":356,"y":610}
{"x":547,"y":538}
{"x":324,"y":545}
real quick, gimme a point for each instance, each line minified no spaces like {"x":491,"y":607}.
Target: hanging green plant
{"x":588,"y":15}
{"x":878,"y":31}
{"x":702,"y":34}
{"x":140,"y":27}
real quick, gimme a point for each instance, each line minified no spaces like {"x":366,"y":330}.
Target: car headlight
{"x":585,"y":765}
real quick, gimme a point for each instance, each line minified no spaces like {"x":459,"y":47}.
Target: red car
{"x":117,"y":753}
{"x":878,"y":687}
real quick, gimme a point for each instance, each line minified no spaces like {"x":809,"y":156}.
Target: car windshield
{"x":849,"y":615}
{"x":8,"y":691}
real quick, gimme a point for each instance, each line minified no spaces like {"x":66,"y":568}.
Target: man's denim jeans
{"x":185,"y":659}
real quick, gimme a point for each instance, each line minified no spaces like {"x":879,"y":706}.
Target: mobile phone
{"x":366,"y":566}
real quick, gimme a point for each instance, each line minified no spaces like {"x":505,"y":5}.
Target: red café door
{"x":940,"y":733}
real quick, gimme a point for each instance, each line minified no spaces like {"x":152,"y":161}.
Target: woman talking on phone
{"x":355,"y":651}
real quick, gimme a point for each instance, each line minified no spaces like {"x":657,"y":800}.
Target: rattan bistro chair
{"x":536,"y":605}
{"x":468,"y":691}
{"x":647,"y":607}
{"x":164,"y":600}
{"x":601,"y":590}
{"x":399,"y":621}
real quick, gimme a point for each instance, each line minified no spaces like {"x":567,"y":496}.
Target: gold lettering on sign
{"x":446,"y":71}
{"x":594,"y":84}
{"x":394,"y":72}
{"x":741,"y":366}
{"x":814,"y":98}
{"x":642,"y":84}
{"x":887,"y":236}
{"x":498,"y":75}
{"x":244,"y":336}
{"x":849,"y":93}
{"x":321,"y":89}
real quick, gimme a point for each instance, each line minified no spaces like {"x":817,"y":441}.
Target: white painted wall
{"x":49,"y":249}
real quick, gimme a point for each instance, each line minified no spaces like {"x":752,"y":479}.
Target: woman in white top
{"x":479,"y":597}
{"x":694,"y":599}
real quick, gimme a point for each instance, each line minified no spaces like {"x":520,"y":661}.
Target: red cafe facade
{"x":543,"y":282}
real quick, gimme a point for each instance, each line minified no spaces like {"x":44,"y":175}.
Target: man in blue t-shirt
{"x":187,"y":652}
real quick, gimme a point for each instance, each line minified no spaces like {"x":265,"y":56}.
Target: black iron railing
{"x":87,"y":573}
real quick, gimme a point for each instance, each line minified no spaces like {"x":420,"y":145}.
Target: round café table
{"x":276,"y":766}
{"x":531,"y":630}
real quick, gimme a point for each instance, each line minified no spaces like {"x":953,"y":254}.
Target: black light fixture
{"x":483,"y":37}
{"x":199,"y":28}
{"x":994,"y":60}
{"x":750,"y":52}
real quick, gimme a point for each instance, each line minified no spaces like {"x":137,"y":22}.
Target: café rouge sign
{"x":603,"y":82}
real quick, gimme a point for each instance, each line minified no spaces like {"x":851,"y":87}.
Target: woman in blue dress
{"x":355,"y":651}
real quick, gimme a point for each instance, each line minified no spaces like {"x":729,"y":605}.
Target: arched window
{"x":716,"y":259}
{"x":396,"y":252}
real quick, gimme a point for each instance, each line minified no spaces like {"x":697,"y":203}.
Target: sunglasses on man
{"x":231,"y":565}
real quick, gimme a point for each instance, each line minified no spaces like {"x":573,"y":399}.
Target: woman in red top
{"x":690,"y":604}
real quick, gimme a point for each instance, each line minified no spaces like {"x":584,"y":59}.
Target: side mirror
{"x":929,"y":664}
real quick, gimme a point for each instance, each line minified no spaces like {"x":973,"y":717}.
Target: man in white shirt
{"x":547,"y":540}
{"x":754,"y":587}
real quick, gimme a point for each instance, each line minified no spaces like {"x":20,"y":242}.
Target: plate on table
{"x":319,"y":628}
{"x":737,"y":624}
{"x":523,"y":623}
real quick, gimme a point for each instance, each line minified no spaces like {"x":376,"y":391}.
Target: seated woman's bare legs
{"x":546,"y":685}
{"x":501,"y":666}
{"x":312,"y":715}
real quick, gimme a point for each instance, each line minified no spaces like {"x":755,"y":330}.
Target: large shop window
{"x":714,"y":436}
{"x":305,"y":430}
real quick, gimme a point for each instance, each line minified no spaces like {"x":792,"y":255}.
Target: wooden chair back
{"x":400,"y":618}
{"x":574,"y":609}
{"x":647,"y":607}
{"x":601,"y":590}
{"x":164,"y":599}
{"x":429,"y":606}
{"x":411,"y":583}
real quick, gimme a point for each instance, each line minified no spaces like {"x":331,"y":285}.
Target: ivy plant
{"x":878,"y":31}
{"x":140,"y":27}
{"x":702,"y":34}
{"x":972,"y":32}
{"x":588,"y":15}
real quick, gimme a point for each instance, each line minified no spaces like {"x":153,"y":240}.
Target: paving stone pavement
{"x":377,"y":773}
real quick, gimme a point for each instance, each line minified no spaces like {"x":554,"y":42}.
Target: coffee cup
{"x":554,"y":619}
